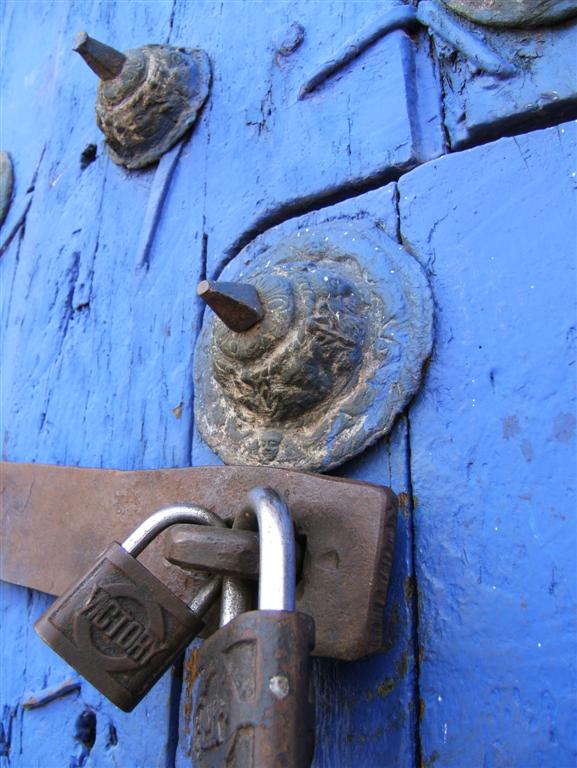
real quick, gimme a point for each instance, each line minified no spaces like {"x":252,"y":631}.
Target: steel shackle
{"x":266,"y":511}
{"x":164,"y":518}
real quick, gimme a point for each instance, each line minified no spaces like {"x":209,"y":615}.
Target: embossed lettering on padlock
{"x":254,"y":706}
{"x":120,"y":626}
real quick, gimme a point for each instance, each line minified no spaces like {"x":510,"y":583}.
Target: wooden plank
{"x":270,"y":155}
{"x":72,"y":333}
{"x":493,"y":452}
{"x":366,"y":710}
{"x":100,"y":351}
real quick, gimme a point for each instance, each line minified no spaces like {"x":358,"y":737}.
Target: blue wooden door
{"x":314,"y":114}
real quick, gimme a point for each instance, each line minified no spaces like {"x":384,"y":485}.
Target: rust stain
{"x":564,"y":427}
{"x":178,"y":410}
{"x":433,"y":757}
{"x":403,"y":665}
{"x":385,"y":688}
{"x":403,"y":499}
{"x":409,"y":589}
{"x":189,"y":676}
{"x":391,"y":630}
{"x":510,"y":426}
{"x":422,"y":708}
{"x":382,"y":690}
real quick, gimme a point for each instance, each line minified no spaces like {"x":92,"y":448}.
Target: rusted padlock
{"x":253,"y":702}
{"x":120,"y":626}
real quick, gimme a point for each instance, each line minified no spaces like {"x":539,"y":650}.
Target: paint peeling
{"x":564,"y":427}
{"x":510,"y":427}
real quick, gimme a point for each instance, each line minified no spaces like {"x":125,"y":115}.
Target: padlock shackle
{"x":164,"y":518}
{"x":276,"y":591}
{"x":277,"y":550}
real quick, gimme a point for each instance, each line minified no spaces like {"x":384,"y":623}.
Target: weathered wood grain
{"x":70,"y":329}
{"x":100,"y":350}
{"x":271,"y":156}
{"x":543,"y":91}
{"x":97,"y":350}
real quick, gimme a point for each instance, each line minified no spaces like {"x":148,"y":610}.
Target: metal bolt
{"x":237,"y":304}
{"x":105,"y":61}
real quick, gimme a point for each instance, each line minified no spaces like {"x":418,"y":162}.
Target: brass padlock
{"x":120,"y":626}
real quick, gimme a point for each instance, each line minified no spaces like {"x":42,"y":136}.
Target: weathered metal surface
{"x":370,"y":705}
{"x":236,"y":304}
{"x":348,"y":527}
{"x":147,"y":98}
{"x":104,"y":61}
{"x":254,"y":700}
{"x":231,"y":552}
{"x":268,"y":513}
{"x":348,"y":325}
{"x":6,"y":184}
{"x":514,"y":13}
{"x":253,"y":696}
{"x":197,"y":548}
{"x":120,"y":627}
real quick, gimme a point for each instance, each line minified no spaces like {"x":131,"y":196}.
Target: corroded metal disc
{"x":348,"y":324}
{"x":149,"y":106}
{"x":6,"y":184}
{"x":514,"y":13}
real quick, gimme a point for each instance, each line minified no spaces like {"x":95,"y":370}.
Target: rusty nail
{"x":105,"y":61}
{"x":237,"y":304}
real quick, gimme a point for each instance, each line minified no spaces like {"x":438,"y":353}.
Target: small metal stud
{"x":237,"y":304}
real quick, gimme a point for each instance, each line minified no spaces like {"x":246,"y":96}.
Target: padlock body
{"x":119,"y":627}
{"x":253,"y":702}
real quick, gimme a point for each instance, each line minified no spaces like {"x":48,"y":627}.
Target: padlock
{"x":253,"y":699}
{"x":121,"y":627}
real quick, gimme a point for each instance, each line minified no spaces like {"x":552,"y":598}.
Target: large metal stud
{"x":346,"y":328}
{"x":520,"y":13}
{"x":147,"y":97}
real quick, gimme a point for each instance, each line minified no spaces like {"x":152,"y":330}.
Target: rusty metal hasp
{"x":55,"y":521}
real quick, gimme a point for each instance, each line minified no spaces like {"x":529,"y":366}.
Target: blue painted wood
{"x":493,"y":452}
{"x":77,"y":319}
{"x":98,"y":352}
{"x":270,"y":156}
{"x":479,"y":107}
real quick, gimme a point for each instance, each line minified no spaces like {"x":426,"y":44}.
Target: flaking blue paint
{"x":98,"y":354}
